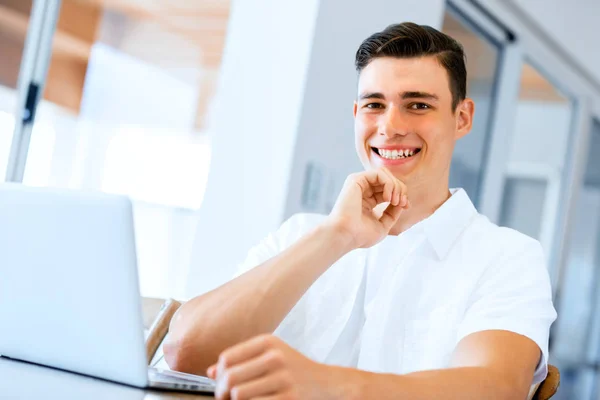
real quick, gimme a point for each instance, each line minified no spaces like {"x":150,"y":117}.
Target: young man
{"x":404,"y":291}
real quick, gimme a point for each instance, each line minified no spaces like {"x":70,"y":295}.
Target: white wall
{"x":285,"y":99}
{"x":257,"y":106}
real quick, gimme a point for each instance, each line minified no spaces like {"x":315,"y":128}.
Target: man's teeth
{"x":395,"y":154}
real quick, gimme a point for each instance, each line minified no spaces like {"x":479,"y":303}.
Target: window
{"x":469,"y":160}
{"x":125,"y":111}
{"x":576,"y":333}
{"x":537,"y":156}
{"x":12,"y":42}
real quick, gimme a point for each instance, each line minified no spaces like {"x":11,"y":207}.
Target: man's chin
{"x":400,"y":173}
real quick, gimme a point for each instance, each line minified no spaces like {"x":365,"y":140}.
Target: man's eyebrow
{"x":419,"y":95}
{"x":371,"y":95}
{"x":403,"y":95}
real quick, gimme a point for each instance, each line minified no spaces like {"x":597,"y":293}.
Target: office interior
{"x":220,"y":119}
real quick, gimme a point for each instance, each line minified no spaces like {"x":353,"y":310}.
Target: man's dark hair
{"x":408,"y":40}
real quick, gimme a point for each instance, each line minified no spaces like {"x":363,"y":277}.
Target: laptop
{"x":69,"y":290}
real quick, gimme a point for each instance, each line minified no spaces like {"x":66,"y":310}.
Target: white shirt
{"x":404,"y":304}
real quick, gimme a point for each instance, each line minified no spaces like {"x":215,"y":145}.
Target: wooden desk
{"x":19,"y":380}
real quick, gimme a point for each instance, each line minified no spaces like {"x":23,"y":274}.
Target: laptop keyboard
{"x":162,"y":378}
{"x":168,"y":376}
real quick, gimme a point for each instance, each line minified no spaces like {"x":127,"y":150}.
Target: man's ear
{"x":355,"y":108}
{"x":464,"y":118}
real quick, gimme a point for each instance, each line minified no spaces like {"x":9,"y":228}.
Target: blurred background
{"x":222,"y":118}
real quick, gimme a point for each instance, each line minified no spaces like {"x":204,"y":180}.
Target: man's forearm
{"x":251,"y":304}
{"x":469,"y":383}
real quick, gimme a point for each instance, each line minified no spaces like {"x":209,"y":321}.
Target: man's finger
{"x":249,"y":370}
{"x":367,"y":192}
{"x":390,"y":216}
{"x":212,"y":371}
{"x":281,"y":396}
{"x":401,"y":187}
{"x":267,"y":385}
{"x":378,"y":198}
{"x":369,"y":202}
{"x":377,"y":177}
{"x":242,"y":352}
{"x":404,"y":201}
{"x":403,"y":192}
{"x":397,"y":187}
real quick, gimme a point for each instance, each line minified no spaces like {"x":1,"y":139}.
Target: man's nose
{"x":393,"y":124}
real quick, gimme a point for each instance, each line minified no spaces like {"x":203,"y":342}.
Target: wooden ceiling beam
{"x":13,"y":23}
{"x":160,"y":9}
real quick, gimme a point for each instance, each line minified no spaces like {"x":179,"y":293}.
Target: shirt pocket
{"x":428,"y":343}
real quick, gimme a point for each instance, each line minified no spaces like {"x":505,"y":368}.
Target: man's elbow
{"x":181,"y":354}
{"x":176,"y":353}
{"x":188,"y":348}
{"x":176,"y":344}
{"x":178,"y":347}
{"x":512,"y":393}
{"x":512,"y":389}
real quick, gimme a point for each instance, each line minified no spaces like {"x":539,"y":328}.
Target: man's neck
{"x":423,"y":203}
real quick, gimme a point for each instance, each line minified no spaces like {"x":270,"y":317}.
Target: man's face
{"x":404,"y":119}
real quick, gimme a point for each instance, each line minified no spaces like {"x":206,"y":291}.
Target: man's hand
{"x":265,"y":367}
{"x":355,"y":210}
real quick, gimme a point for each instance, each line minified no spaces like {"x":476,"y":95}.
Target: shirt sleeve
{"x":293,"y":328}
{"x":276,"y":242}
{"x":514,"y":295}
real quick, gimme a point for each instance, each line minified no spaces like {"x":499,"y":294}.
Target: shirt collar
{"x":445,"y":225}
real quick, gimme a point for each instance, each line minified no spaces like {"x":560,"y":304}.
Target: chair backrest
{"x":549,"y":386}
{"x":157,"y":314}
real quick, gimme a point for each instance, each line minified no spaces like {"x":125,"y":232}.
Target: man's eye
{"x":374,"y":105}
{"x":419,"y":106}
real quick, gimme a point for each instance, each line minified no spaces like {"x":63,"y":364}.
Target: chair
{"x":549,"y":386}
{"x":157,"y":314}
